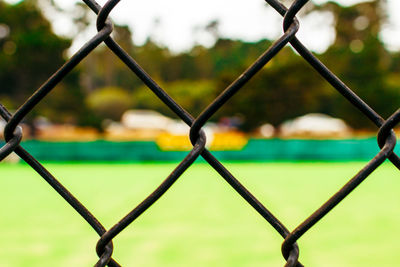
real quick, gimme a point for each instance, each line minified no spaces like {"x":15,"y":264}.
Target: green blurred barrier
{"x":295,"y":150}
{"x":255,"y":150}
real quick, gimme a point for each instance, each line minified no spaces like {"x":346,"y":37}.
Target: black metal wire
{"x":290,"y":249}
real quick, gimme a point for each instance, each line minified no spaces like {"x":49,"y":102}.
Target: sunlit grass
{"x":201,"y":221}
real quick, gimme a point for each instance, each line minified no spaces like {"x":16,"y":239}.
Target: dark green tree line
{"x":287,"y":87}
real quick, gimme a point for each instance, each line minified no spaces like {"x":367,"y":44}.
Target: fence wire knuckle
{"x":104,"y":248}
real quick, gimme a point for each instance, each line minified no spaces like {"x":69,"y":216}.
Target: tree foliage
{"x":29,"y":51}
{"x":109,"y":102}
{"x":102,"y":86}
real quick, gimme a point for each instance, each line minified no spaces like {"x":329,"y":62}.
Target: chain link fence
{"x":290,"y":250}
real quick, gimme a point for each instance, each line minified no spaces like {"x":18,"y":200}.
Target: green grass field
{"x":201,"y":221}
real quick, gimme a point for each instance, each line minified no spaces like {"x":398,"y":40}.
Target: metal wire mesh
{"x":290,"y":250}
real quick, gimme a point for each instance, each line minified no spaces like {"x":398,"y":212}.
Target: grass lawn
{"x":201,"y":221}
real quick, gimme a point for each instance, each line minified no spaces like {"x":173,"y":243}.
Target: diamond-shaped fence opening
{"x":290,"y":250}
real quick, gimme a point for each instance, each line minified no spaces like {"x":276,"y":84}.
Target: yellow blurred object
{"x":172,"y":142}
{"x":216,"y":142}
{"x":228,"y":141}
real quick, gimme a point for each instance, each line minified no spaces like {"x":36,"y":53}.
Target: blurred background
{"x":287,"y":117}
{"x":194,"y":57}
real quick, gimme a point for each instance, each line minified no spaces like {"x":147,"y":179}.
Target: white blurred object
{"x":267,"y":130}
{"x":314,"y":124}
{"x":178,"y":128}
{"x":145,"y":119}
{"x":110,"y":125}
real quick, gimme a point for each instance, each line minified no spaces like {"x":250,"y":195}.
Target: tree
{"x":193,"y":95}
{"x":101,"y":68}
{"x":360,"y":59}
{"x":287,"y":87}
{"x":109,"y":102}
{"x":29,"y":51}
{"x":29,"y":54}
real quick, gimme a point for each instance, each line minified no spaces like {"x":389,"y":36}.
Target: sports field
{"x":201,"y":221}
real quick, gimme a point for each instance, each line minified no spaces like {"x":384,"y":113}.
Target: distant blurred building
{"x":137,"y":124}
{"x":171,"y":134}
{"x":314,"y":125}
{"x":139,"y":119}
{"x":178,"y":127}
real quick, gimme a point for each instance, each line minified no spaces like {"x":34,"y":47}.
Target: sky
{"x":180,"y":24}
